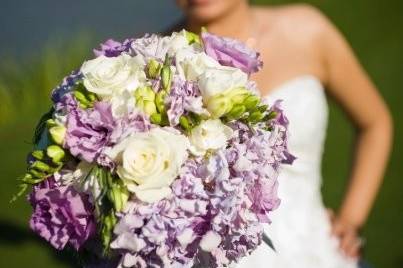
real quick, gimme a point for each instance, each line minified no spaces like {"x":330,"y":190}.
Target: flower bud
{"x":237,"y":95}
{"x":56,"y":153}
{"x":153,"y":69}
{"x":272,"y":115}
{"x":58,"y":133}
{"x":255,"y":117}
{"x":166,"y":77}
{"x":148,"y":107}
{"x":219,"y":106}
{"x":31,"y":179}
{"x":156,"y":118}
{"x":251,"y":102}
{"x":40,"y":166}
{"x":160,"y":101}
{"x":192,"y":37}
{"x":37,"y":174}
{"x":82,"y":100}
{"x":263,"y":108}
{"x":144,"y":93}
{"x":91,"y":97}
{"x":51,"y":123}
{"x":236,"y":112}
{"x":38,"y":154}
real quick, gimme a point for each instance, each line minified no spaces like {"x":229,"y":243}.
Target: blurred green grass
{"x":24,"y":96}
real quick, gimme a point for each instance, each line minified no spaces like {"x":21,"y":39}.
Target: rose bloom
{"x":220,"y":79}
{"x":107,"y":77}
{"x":149,"y":162}
{"x":191,"y":65}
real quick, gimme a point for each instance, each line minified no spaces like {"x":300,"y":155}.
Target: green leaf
{"x":184,"y":122}
{"x":156,"y":118}
{"x":108,"y":222}
{"x":23,"y":188}
{"x":41,"y":126}
{"x":268,"y":241}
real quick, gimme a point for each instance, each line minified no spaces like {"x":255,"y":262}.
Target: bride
{"x":303,"y":54}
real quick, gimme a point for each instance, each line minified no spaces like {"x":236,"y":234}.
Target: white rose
{"x":122,"y":104}
{"x":216,"y":80}
{"x":191,"y":65}
{"x":209,"y":135}
{"x":176,"y":42}
{"x":149,"y":162}
{"x":110,"y":76}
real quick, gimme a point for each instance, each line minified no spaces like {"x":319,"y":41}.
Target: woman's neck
{"x":236,"y":23}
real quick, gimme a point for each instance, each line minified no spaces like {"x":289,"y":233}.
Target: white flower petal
{"x":210,"y":241}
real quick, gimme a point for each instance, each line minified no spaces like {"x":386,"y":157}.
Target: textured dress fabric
{"x":300,"y":230}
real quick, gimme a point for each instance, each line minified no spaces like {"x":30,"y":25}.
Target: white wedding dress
{"x":300,"y":231}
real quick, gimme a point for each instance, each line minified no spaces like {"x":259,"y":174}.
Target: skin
{"x":296,"y":40}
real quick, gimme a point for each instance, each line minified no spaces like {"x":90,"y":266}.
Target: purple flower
{"x":69,"y":82}
{"x":89,"y":131}
{"x":112,"y":48}
{"x":61,"y":215}
{"x":264,"y":196}
{"x":150,"y":47}
{"x":184,"y":96}
{"x":281,"y":122}
{"x":230,"y":52}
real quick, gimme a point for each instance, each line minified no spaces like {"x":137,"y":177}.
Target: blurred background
{"x":43,"y":40}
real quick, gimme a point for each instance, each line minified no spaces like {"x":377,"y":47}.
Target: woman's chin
{"x":206,"y":10}
{"x":203,"y":14}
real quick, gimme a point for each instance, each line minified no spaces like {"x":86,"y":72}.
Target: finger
{"x":354,"y":250}
{"x":348,"y":243}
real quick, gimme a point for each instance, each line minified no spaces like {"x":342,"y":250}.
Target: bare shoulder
{"x":303,"y":20}
{"x":296,"y":31}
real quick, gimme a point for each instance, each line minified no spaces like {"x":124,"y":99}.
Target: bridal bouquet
{"x":159,"y":152}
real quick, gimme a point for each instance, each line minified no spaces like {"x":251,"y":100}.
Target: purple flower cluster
{"x":215,"y":213}
{"x":61,"y":215}
{"x":112,"y":48}
{"x":69,"y":82}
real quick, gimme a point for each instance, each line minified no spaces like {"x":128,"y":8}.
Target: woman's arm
{"x":349,"y":84}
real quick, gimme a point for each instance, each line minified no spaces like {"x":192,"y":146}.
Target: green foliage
{"x":112,"y":199}
{"x":85,"y":98}
{"x":25,"y":84}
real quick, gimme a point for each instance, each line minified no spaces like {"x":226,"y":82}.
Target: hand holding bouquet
{"x":159,"y":153}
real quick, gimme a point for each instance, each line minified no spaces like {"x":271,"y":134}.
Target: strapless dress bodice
{"x":300,"y":229}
